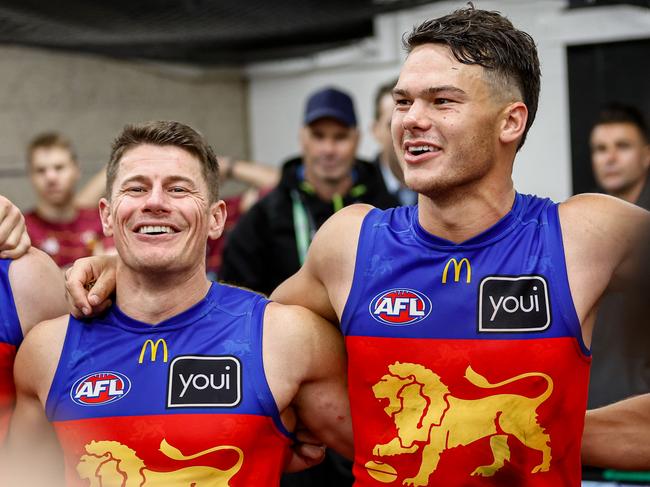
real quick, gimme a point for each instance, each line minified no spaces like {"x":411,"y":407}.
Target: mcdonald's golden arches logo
{"x":154,"y":349}
{"x":458,"y":267}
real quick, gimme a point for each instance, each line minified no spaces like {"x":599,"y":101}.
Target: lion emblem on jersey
{"x":112,"y":464}
{"x":429,"y":418}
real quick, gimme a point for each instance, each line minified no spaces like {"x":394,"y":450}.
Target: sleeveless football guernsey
{"x":184,"y":402}
{"x":10,"y":337}
{"x":466,"y":361}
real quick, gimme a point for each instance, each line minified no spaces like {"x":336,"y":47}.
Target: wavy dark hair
{"x":488,"y":39}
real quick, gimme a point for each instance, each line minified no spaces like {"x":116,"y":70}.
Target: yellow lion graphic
{"x":425,"y":412}
{"x":112,"y":464}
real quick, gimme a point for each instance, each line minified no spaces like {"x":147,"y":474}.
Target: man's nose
{"x":157,"y":200}
{"x":417,"y":118}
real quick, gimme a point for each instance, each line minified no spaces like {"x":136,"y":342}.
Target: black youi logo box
{"x":513,"y":304}
{"x":204,"y":381}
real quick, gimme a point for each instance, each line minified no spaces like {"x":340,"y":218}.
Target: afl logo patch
{"x":400,"y":307}
{"x":100,"y":388}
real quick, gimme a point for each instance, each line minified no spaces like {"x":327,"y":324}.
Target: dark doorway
{"x":601,"y":74}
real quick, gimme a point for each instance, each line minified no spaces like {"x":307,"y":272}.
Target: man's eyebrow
{"x":179,"y":178}
{"x":134,"y":179}
{"x":434,"y":90}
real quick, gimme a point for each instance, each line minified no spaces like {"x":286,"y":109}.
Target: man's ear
{"x":513,"y":122}
{"x":217,"y":216}
{"x":106,"y":216}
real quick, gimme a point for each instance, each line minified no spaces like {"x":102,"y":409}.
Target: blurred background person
{"x":259,"y":180}
{"x":620,"y":157}
{"x":270,"y":242}
{"x":620,"y":154}
{"x":387,"y":161}
{"x":61,"y":225}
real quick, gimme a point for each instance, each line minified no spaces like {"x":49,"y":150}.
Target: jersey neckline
{"x":195,"y":312}
{"x":497,"y":231}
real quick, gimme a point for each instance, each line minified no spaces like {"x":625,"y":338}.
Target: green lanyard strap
{"x":301,"y":226}
{"x":304,"y":225}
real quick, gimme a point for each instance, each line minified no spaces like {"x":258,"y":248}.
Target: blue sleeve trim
{"x":8,"y":314}
{"x":58,"y":386}
{"x":365,"y":245}
{"x":262,"y":388}
{"x":562,"y":290}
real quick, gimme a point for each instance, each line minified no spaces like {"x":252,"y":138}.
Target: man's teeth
{"x":421,"y":149}
{"x":155,"y":229}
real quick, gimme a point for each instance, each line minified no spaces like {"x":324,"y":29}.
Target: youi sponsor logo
{"x":204,"y":381}
{"x":400,"y":307}
{"x":513,"y":304}
{"x":100,"y":388}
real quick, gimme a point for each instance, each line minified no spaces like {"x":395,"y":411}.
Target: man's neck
{"x":464,"y":212}
{"x":56,"y":213}
{"x":632,"y":193}
{"x":153,"y":298}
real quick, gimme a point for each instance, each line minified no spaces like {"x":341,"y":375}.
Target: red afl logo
{"x":100,"y":388}
{"x":399,"y":307}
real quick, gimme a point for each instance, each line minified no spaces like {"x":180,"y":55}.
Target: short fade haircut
{"x":488,"y":39}
{"x":165,"y":133}
{"x":620,"y":113}
{"x":383,"y":90}
{"x":50,"y":140}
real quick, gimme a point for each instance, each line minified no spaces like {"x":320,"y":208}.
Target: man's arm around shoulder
{"x":38,"y":289}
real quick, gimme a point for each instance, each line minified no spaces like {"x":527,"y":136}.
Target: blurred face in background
{"x":383,"y":136}
{"x":328,"y":149}
{"x":53,"y":174}
{"x":620,"y":157}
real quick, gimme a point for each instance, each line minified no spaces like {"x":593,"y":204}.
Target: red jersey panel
{"x":69,"y":241}
{"x":171,"y":450}
{"x":7,"y":389}
{"x":460,"y":417}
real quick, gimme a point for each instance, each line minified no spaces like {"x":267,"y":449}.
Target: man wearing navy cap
{"x":270,"y":242}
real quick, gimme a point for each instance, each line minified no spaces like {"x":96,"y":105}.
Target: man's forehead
{"x":617,"y":129}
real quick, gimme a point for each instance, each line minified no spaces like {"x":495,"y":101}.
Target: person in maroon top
{"x":59,"y":224}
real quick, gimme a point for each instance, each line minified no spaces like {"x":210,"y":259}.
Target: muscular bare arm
{"x":604,"y":241}
{"x":38,"y":289}
{"x":35,"y":458}
{"x":616,"y":436}
{"x":304,"y":361}
{"x":324,"y":281}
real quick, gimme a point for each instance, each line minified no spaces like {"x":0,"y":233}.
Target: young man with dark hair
{"x":182,"y":381}
{"x":468,"y":318}
{"x":59,"y":225}
{"x":620,"y":154}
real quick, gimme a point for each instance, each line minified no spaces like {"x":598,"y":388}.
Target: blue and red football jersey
{"x":466,"y":361}
{"x":184,"y":402}
{"x":10,"y":337}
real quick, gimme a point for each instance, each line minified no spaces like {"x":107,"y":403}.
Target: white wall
{"x":90,"y":98}
{"x":277,"y":91}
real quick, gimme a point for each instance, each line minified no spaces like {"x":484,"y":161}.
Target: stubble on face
{"x":452,"y":106}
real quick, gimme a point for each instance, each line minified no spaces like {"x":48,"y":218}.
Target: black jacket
{"x":261,"y":252}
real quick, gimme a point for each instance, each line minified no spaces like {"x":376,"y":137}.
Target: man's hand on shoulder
{"x":89,"y":284}
{"x":14,"y":240}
